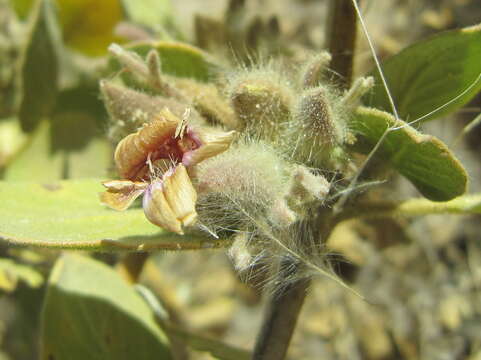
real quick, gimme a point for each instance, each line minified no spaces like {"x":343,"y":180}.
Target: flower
{"x":167,"y":137}
{"x":153,"y":162}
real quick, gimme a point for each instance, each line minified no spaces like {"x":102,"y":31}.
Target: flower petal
{"x":213,"y":142}
{"x":170,"y":202}
{"x":121,"y":194}
{"x":132,"y":152}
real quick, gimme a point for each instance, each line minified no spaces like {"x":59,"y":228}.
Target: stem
{"x":285,"y":304}
{"x":280,"y":316}
{"x":341,"y":38}
{"x":131,"y":266}
{"x":463,"y":205}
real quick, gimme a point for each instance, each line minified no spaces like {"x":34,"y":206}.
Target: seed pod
{"x":169,"y":202}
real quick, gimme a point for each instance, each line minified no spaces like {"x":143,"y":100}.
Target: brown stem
{"x":341,"y":38}
{"x":131,"y":266}
{"x":280,"y":316}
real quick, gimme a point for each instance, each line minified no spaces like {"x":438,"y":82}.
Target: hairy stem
{"x":285,"y":304}
{"x":281,"y":315}
{"x":341,"y":38}
{"x":463,"y":205}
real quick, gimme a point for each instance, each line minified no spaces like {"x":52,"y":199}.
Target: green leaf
{"x":68,"y":214}
{"x":11,"y":272}
{"x":35,"y":161}
{"x":70,"y":145}
{"x":216,"y":348}
{"x":39,"y":67}
{"x":91,"y":313}
{"x":431,"y":73}
{"x":178,"y":59}
{"x":12,"y":139}
{"x":44,"y":158}
{"x":423,"y":159}
{"x":152,"y":13}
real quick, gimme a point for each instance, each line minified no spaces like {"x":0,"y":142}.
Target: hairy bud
{"x":321,"y":130}
{"x":130,"y":109}
{"x":262,"y":106}
{"x":314,"y":70}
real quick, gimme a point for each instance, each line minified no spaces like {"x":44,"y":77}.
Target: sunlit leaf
{"x":35,"y":161}
{"x":39,"y":67}
{"x":70,"y":145}
{"x":41,"y":160}
{"x":91,"y":313}
{"x":423,"y":159}
{"x":12,"y":139}
{"x":68,"y":214}
{"x":431,"y":73}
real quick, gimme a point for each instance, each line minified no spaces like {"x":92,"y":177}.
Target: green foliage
{"x":423,"y":159}
{"x":12,"y":272}
{"x":40,"y":67}
{"x":177,"y":59}
{"x":68,"y":214}
{"x":427,"y":76}
{"x":91,"y":313}
{"x":151,"y":13}
{"x":67,"y":144}
{"x":466,"y":204}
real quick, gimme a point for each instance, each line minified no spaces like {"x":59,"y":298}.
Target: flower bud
{"x":320,"y":130}
{"x":130,"y":109}
{"x":169,"y":202}
{"x":207,"y":100}
{"x":314,"y":70}
{"x":262,"y":106}
{"x":306,"y":186}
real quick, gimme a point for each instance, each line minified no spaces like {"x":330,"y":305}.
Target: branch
{"x":341,"y":38}
{"x":280,"y":316}
{"x":463,"y":205}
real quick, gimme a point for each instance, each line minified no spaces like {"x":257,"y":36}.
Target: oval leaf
{"x":423,"y":159}
{"x":39,"y":67}
{"x":430,"y":74}
{"x":91,"y":313}
{"x":68,"y":214}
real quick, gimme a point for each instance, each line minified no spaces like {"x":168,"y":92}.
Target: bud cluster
{"x":248,"y":156}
